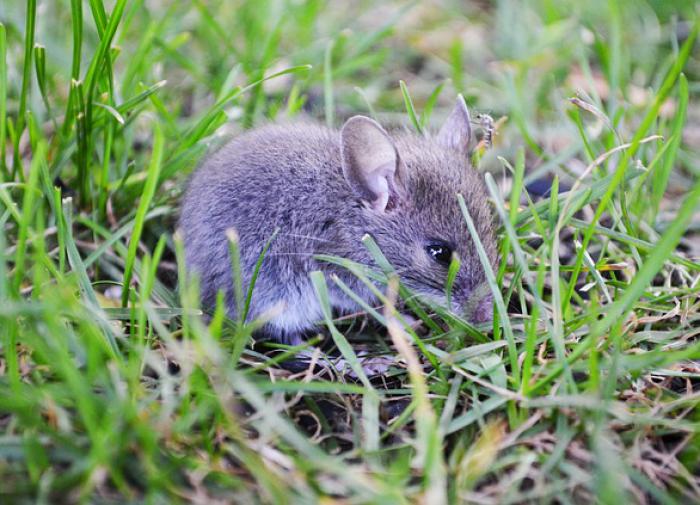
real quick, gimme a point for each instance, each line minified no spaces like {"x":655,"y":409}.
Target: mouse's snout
{"x":477,"y":307}
{"x":484,"y":310}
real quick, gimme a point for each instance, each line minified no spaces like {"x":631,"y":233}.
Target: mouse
{"x":318,"y":191}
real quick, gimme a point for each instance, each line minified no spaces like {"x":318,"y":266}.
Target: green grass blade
{"x":429,"y":104}
{"x":28,"y":209}
{"x":29,"y":29}
{"x":661,"y":176}
{"x":495,"y":290}
{"x":148,"y":193}
{"x":341,"y":342}
{"x":4,"y":172}
{"x":408,"y":102}
{"x":86,"y":288}
{"x":99,"y":58}
{"x":256,"y":272}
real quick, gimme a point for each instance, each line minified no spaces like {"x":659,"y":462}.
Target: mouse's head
{"x":408,"y":186}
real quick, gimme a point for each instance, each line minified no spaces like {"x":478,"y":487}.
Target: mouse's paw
{"x":376,"y":365}
{"x":372,"y":366}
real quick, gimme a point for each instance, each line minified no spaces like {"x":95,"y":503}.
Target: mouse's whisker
{"x":310,"y":237}
{"x":423,"y":281}
{"x":290,"y":254}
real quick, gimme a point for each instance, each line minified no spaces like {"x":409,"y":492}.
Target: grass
{"x":114,"y":389}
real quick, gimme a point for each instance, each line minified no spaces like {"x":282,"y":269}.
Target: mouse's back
{"x":266,"y":179}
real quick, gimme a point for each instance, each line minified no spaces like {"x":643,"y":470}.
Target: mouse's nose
{"x":478,"y":306}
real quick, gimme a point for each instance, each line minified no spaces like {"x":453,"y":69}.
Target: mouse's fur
{"x":324,"y":190}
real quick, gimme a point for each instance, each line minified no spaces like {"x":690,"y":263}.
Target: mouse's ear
{"x":370,"y":161}
{"x":456,"y":133}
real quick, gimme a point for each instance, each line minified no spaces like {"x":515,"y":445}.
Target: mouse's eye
{"x":440,"y":252}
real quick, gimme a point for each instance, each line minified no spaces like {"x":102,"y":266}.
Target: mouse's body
{"x":324,"y":189}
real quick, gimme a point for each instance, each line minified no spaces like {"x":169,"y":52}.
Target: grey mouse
{"x":324,"y":190}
